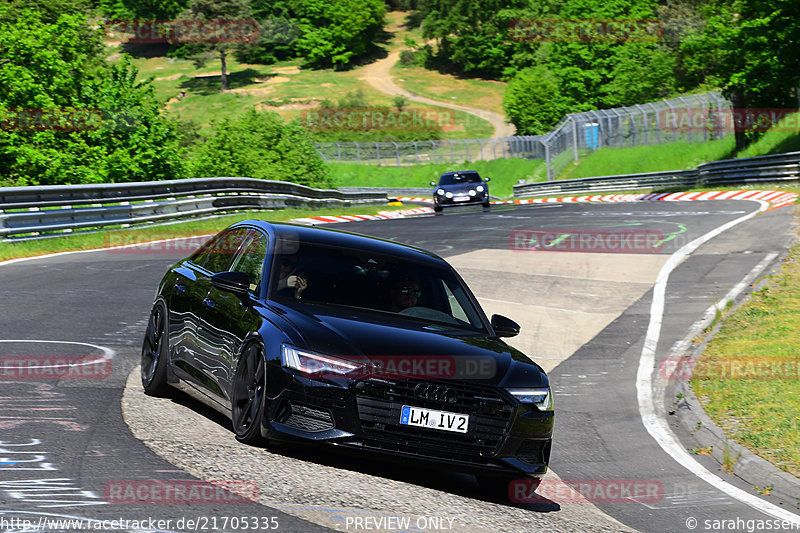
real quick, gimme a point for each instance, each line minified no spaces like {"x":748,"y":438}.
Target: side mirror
{"x":504,"y":327}
{"x":487,"y":179}
{"x":235,"y":282}
{"x":433,"y":184}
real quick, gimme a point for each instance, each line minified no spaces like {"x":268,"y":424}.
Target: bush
{"x":259,"y":145}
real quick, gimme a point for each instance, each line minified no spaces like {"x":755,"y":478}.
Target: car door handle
{"x":208,"y":302}
{"x":180,"y":288}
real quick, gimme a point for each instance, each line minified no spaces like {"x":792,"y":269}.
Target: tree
{"x":750,"y":49}
{"x":332,"y":34}
{"x":259,"y":145}
{"x":68,"y":116}
{"x":210,"y":14}
{"x":533,"y":101}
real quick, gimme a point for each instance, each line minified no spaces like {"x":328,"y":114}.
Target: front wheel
{"x":249,"y":387}
{"x":437,"y":209}
{"x":155,"y":350}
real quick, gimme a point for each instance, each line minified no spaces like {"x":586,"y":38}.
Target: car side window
{"x":250,"y":259}
{"x":219,"y":253}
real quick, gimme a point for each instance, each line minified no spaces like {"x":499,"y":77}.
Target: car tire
{"x":437,"y":209}
{"x":155,"y":353}
{"x":487,"y":205}
{"x":498,"y":487}
{"x":248,"y":395}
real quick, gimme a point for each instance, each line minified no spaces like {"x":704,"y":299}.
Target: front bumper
{"x":504,"y":437}
{"x":443,"y":201}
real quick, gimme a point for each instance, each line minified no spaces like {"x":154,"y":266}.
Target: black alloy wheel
{"x":248,"y":395}
{"x":155,"y":349}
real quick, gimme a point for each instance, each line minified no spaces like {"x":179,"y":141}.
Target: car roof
{"x":454,"y":172}
{"x":284,"y":231}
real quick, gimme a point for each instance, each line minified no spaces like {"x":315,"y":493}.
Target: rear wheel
{"x":155,"y":350}
{"x":248,"y":395}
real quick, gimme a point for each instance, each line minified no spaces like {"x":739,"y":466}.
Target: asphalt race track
{"x":65,"y":446}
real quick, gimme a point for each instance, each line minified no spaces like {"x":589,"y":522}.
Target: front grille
{"x":380,"y":403}
{"x":308,"y":418}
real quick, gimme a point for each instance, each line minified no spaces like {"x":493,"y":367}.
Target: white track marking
{"x":651,"y":409}
{"x":108,"y":353}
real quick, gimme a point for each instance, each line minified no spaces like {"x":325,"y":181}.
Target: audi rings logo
{"x":437,"y":393}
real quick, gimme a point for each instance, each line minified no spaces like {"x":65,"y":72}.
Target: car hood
{"x":392,"y":341}
{"x":460,"y":187}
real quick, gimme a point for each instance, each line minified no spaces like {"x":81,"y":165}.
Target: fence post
{"x":416,"y":151}
{"x":339,"y":152}
{"x":466,"y":150}
{"x":574,"y":138}
{"x":480,"y":144}
{"x":658,"y":122}
{"x":397,"y":153}
{"x":674,"y":129}
{"x":378,"y":153}
{"x":358,"y":152}
{"x":705,"y":117}
{"x":688,"y":116}
{"x":644,"y":122}
{"x":451,"y":150}
{"x":547,"y":161}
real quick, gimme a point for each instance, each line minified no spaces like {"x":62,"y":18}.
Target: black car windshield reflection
{"x":370,"y":281}
{"x":460,"y":177}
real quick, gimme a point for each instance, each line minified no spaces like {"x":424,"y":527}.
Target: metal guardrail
{"x":60,"y":208}
{"x":767,"y":168}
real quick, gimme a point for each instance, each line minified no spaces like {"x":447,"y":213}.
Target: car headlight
{"x":541,"y":398}
{"x":440,"y":192}
{"x":479,"y":188}
{"x":449,"y":194}
{"x":472,"y":192}
{"x":315,"y":364}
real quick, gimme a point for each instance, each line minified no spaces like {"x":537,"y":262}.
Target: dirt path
{"x":378,"y":74}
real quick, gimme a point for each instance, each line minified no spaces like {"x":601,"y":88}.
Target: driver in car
{"x":403,"y":294}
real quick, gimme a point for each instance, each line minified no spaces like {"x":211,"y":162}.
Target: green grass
{"x":482,"y":94}
{"x":114,"y":237}
{"x":758,"y":406}
{"x":784,"y":137}
{"x":636,"y":159}
{"x":504,"y":174}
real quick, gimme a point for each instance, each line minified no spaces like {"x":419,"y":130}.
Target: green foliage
{"x":750,"y":48}
{"x":71,"y":118}
{"x":259,"y":145}
{"x":218,"y":10}
{"x":326,"y":34}
{"x":143,"y":9}
{"x":335,"y":33}
{"x":533,"y":101}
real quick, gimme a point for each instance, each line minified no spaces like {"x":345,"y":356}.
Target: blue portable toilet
{"x":591,"y":131}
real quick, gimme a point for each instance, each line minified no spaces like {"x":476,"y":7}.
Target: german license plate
{"x":461,"y":198}
{"x":432,"y":419}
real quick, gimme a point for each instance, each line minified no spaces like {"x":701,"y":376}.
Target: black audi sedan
{"x":311,"y":335}
{"x":463,"y":187}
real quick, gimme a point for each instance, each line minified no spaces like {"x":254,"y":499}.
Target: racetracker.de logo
{"x":586,"y":491}
{"x":587,"y":240}
{"x":184,"y":31}
{"x":162,"y":243}
{"x":698,"y":120}
{"x":378,"y":118}
{"x":540,"y":30}
{"x":738,"y":368}
{"x":54,"y":367}
{"x":180,"y":492}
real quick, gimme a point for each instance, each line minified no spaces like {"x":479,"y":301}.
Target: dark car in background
{"x":462,"y":187}
{"x":310,"y":335}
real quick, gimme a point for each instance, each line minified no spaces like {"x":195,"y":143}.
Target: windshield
{"x":460,"y":177}
{"x":366,"y":280}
